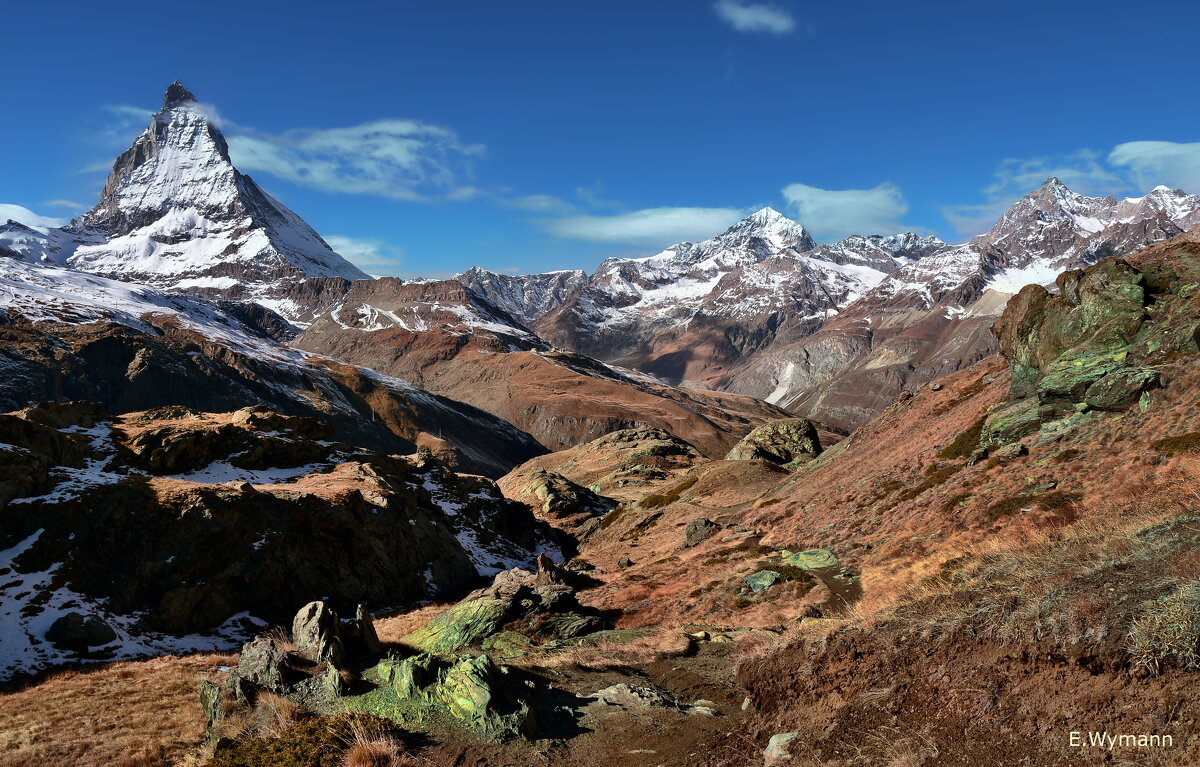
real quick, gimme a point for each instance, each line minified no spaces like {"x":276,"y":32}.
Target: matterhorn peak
{"x":177,"y":94}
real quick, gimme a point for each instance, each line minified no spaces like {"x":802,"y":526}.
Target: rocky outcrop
{"x":790,"y":443}
{"x":218,"y":364}
{"x":1096,"y":343}
{"x":559,"y":502}
{"x":190,"y":551}
{"x":698,"y":531}
{"x":540,"y":606}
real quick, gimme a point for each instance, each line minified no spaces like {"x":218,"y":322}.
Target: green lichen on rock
{"x":471,"y":690}
{"x":761,"y":581}
{"x":812,"y":559}
{"x":1096,"y":344}
{"x":462,"y":625}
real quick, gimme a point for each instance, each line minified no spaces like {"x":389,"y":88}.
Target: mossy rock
{"x":507,"y":645}
{"x":462,"y":625}
{"x":812,"y":559}
{"x":1011,"y":422}
{"x":761,"y":581}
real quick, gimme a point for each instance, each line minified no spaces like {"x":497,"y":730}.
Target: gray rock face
{"x":263,"y":663}
{"x":698,"y":531}
{"x":76,"y":631}
{"x":317,"y":633}
{"x":526,"y":297}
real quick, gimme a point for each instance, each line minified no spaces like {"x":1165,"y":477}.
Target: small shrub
{"x":1181,"y":443}
{"x":1012,"y":505}
{"x":1168,"y":632}
{"x":955,"y":502}
{"x":1070,"y":454}
{"x":657,"y":500}
{"x":933,"y":480}
{"x":964,"y":444}
{"x":611,"y":517}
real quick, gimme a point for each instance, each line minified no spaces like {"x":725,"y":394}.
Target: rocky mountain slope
{"x":70,"y":335}
{"x":175,"y":214}
{"x":445,"y":338}
{"x":173,"y":530}
{"x":526,"y":297}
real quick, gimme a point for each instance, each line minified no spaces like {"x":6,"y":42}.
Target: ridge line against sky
{"x":403,"y":178}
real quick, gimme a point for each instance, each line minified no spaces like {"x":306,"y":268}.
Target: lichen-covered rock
{"x":811,"y":559}
{"x":264,"y":663}
{"x":564,"y":503}
{"x":634,"y":696}
{"x":1095,"y":344}
{"x":464,"y":624}
{"x":791,"y":443}
{"x":471,"y":689}
{"x":761,"y":581}
{"x":210,"y":704}
{"x":365,"y":630}
{"x":778,"y":750}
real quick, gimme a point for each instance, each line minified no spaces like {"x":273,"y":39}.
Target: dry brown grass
{"x":375,"y":746}
{"x":132,"y":714}
{"x":1024,"y":583}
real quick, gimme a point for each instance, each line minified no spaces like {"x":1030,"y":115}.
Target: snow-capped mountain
{"x":526,"y":297}
{"x":1046,"y":232}
{"x":931,"y":316}
{"x":692,"y":311}
{"x":176,"y":214}
{"x":627,"y":300}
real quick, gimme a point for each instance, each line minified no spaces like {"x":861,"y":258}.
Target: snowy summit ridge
{"x":176,"y":214}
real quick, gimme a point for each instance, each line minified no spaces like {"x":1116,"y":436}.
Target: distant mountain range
{"x":834,"y":331}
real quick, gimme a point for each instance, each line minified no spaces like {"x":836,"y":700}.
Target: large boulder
{"x":464,"y":624}
{"x":76,"y":631}
{"x":698,"y":531}
{"x":470,"y":689}
{"x":316,"y":632}
{"x":791,"y":443}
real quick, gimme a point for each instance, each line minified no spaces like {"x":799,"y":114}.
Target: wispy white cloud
{"x":546,"y":204}
{"x":1151,"y":163}
{"x":23,"y":215}
{"x":831,"y":214}
{"x":754,"y":17}
{"x":649,"y":227}
{"x":68,"y":204}
{"x":372,"y":256}
{"x":402,"y":159}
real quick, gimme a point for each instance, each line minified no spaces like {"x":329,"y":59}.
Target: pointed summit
{"x":177,"y":94}
{"x":765,"y":215}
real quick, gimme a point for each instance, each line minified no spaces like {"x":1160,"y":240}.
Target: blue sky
{"x":424,"y":137}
